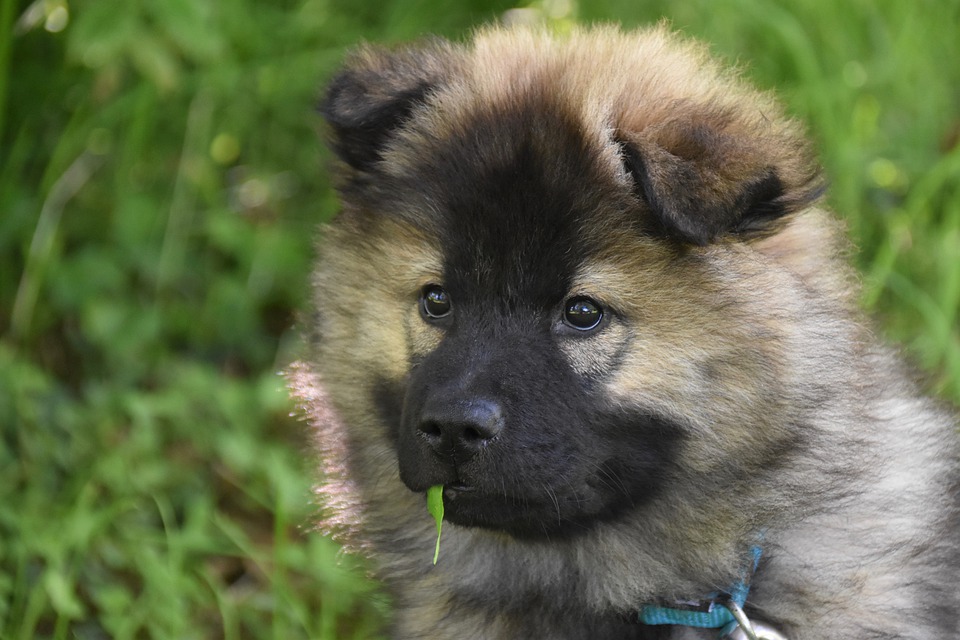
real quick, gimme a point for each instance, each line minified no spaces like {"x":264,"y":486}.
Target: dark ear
{"x":375,"y":93}
{"x":704,"y":178}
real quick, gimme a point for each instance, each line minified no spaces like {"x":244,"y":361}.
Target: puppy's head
{"x":544,"y":290}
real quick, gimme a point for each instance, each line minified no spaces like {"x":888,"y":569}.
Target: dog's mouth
{"x":453,"y":490}
{"x":537,"y":507}
{"x":467,"y":506}
{"x":527,"y":517}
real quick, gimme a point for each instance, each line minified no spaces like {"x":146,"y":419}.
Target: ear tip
{"x":804,"y":193}
{"x":326,"y":103}
{"x":344,"y":93}
{"x":372,"y":95}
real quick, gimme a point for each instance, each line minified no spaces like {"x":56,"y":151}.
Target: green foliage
{"x":161,"y":178}
{"x":160,"y":183}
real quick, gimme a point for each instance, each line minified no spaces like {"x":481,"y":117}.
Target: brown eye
{"x":434,"y":302}
{"x":582,"y":313}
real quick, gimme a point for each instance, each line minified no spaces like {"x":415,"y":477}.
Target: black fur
{"x":564,"y":457}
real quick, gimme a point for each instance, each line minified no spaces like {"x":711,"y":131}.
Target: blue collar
{"x":708,"y":613}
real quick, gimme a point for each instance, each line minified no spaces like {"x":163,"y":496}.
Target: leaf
{"x":435,"y":507}
{"x":62,"y":594}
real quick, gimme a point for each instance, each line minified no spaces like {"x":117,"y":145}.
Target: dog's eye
{"x":582,"y":313}
{"x":434,"y":302}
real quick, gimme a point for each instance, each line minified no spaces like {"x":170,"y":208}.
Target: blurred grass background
{"x":160,"y":182}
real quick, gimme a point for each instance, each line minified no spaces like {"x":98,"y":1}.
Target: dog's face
{"x":517,"y":335}
{"x":545,"y":290}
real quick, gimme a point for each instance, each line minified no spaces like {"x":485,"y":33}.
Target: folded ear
{"x":374,"y":94}
{"x":709,"y":174}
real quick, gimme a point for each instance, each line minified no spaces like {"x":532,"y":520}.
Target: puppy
{"x":583,"y":283}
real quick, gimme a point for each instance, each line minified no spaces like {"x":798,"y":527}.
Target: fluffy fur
{"x":731,"y":389}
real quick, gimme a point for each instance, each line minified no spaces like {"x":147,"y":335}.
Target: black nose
{"x":461,"y":427}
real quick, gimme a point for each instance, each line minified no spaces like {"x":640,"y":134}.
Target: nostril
{"x":431,"y":429}
{"x":471,"y":434}
{"x":485,"y":420}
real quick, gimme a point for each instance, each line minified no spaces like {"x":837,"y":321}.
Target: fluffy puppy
{"x":583,"y":283}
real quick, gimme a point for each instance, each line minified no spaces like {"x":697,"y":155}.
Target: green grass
{"x":160,"y":180}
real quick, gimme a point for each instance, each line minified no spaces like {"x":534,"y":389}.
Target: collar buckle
{"x":743,"y":629}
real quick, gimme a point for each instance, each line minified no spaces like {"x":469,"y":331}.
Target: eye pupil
{"x":434,"y":302}
{"x":582,"y":313}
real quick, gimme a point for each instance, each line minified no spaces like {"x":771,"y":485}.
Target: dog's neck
{"x":722,"y":610}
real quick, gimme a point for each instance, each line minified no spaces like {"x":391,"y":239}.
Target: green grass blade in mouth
{"x":435,"y":507}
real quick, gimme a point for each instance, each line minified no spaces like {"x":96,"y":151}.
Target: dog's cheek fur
{"x":368,"y":329}
{"x":366,"y":304}
{"x":717,"y":343}
{"x":722,"y":371}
